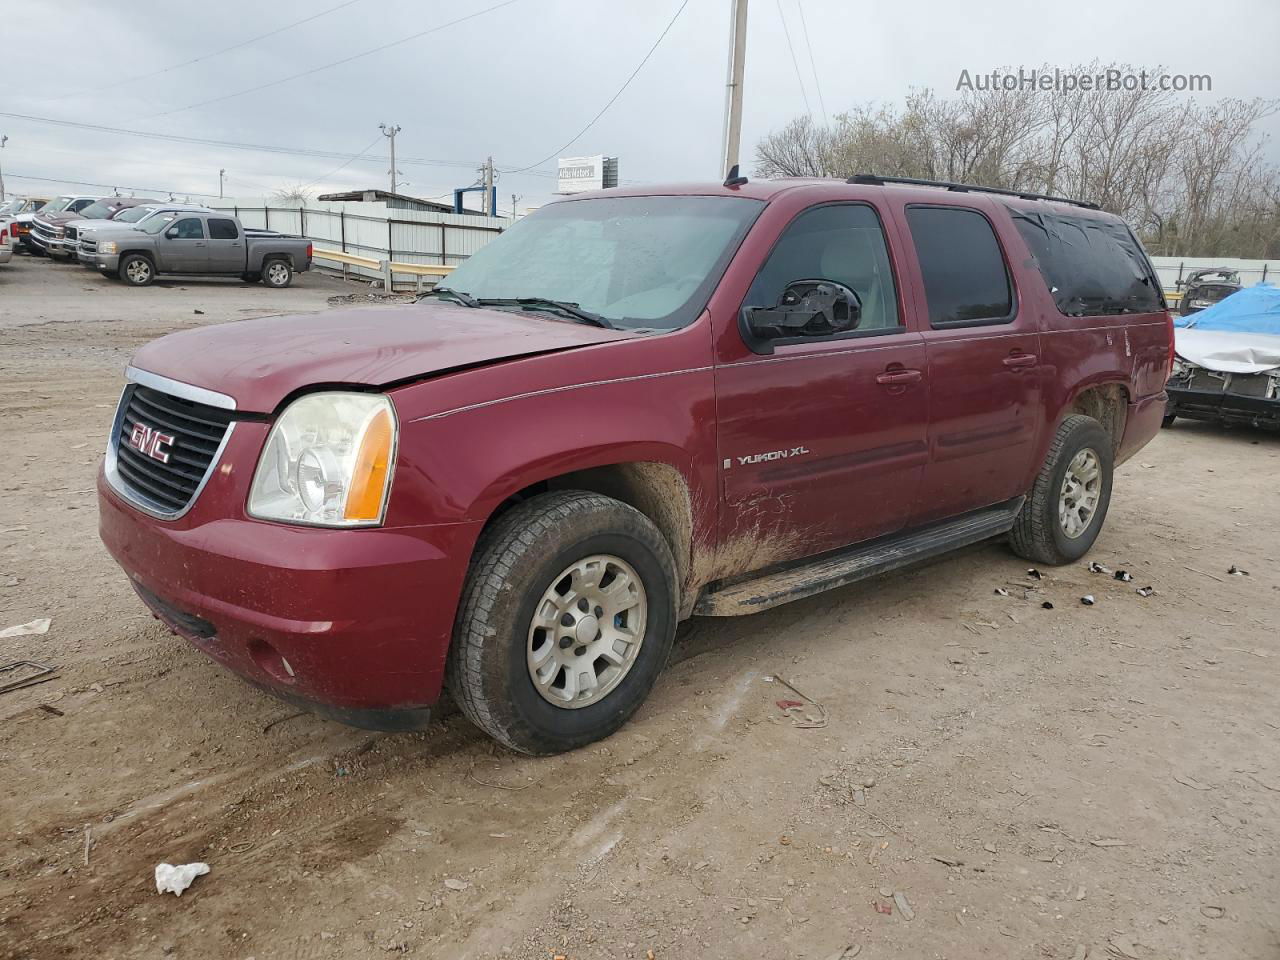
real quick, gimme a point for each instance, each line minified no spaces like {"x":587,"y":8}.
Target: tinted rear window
{"x":1092,"y":266}
{"x":965,"y":278}
{"x":220,"y":229}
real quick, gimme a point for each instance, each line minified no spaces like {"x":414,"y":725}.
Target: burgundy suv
{"x":632,"y":407}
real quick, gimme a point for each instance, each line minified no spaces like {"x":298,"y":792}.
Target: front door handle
{"x":895,"y":376}
{"x":198,"y":243}
{"x":1017,"y":360}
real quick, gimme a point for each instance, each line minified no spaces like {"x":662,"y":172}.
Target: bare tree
{"x":1191,"y":178}
{"x":296,"y":195}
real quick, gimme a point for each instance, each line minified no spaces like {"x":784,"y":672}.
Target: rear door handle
{"x":899,"y":376}
{"x":1021,"y":360}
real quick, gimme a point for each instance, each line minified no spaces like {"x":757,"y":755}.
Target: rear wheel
{"x":137,"y":270}
{"x":277,"y":273}
{"x":1064,"y":511}
{"x":567,"y":617}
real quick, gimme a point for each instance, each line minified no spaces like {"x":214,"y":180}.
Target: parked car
{"x":199,"y":243}
{"x":58,"y":233}
{"x":633,"y":406}
{"x":1203,"y":288}
{"x":24,"y":211}
{"x":6,"y":239}
{"x":122,"y":222}
{"x":59,"y":206}
{"x":16,"y":206}
{"x":1227,"y":368}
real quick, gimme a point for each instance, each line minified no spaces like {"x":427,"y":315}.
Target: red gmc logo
{"x":151,"y":441}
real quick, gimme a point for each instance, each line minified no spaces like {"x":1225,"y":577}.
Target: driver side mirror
{"x":807,"y":308}
{"x":172,"y":233}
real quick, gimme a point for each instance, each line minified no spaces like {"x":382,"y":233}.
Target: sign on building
{"x":578,"y":174}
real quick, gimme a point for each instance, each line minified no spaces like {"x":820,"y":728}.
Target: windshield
{"x":133,"y":214}
{"x":54,"y":206}
{"x":156,"y":224}
{"x":96,"y":211}
{"x":13,"y":206}
{"x":636,"y":261}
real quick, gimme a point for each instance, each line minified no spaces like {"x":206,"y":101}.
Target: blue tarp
{"x":1252,"y":310}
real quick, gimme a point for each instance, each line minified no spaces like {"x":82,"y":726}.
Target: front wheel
{"x":137,"y":270}
{"x":566,"y":620}
{"x":1064,"y":512}
{"x":278,"y":274}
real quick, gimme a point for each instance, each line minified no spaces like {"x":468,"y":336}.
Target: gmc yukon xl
{"x":634,"y":406}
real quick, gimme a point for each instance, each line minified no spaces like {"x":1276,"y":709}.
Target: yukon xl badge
{"x":766,"y":457}
{"x":150,"y":441}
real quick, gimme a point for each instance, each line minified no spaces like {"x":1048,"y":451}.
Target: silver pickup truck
{"x":189,"y":242}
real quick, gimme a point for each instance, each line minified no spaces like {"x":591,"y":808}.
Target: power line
{"x":326,"y":176}
{"x":218,"y":53}
{"x":114,"y":186}
{"x":335,"y":63}
{"x":237,"y":145}
{"x":667,"y":29}
{"x":794,"y":62}
{"x":813,"y":64}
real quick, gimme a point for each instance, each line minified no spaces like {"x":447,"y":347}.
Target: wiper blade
{"x":554,"y":306}
{"x":457,"y":296}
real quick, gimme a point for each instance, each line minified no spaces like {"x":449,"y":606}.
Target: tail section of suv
{"x":633,"y":407}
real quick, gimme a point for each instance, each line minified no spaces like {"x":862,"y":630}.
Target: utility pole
{"x":221,"y":175}
{"x":733,"y":88}
{"x":390,"y":132}
{"x":514,"y":201}
{"x":3,"y":141}
{"x":490,"y":195}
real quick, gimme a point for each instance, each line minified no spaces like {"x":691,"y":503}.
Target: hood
{"x":60,"y":219}
{"x":260,"y":362}
{"x":1228,"y":352}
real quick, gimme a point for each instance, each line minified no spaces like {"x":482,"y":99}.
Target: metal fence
{"x":372,"y":230}
{"x":1252,"y":272}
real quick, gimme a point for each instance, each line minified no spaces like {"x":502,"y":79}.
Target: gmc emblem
{"x":151,"y":441}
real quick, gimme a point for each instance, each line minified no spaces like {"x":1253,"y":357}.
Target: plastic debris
{"x":1146,"y":591}
{"x":1237,"y":572}
{"x":1001,"y":592}
{"x":1047,"y":605}
{"x":1123,"y":576}
{"x":1213,"y":912}
{"x":38,"y":627}
{"x":1087,"y":600}
{"x":904,"y":906}
{"x":885,"y":908}
{"x":1095,"y":567}
{"x":1035,"y":574}
{"x":171,"y":879}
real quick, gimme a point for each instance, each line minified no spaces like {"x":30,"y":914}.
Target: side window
{"x":220,"y":229}
{"x":189,"y":229}
{"x":79,"y":205}
{"x":1092,"y":265}
{"x":965,"y":278}
{"x":840,"y":242}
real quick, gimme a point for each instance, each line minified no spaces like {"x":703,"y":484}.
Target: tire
{"x":136,"y":269}
{"x":521,"y":559}
{"x":277,"y":273}
{"x":1046,"y":533}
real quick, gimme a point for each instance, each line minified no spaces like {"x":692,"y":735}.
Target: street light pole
{"x":733,"y":88}
{"x":390,"y":132}
{"x":3,"y":141}
{"x":221,"y":175}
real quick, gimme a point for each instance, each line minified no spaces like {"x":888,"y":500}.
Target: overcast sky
{"x":519,"y":81}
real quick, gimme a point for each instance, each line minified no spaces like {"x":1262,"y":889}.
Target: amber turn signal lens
{"x":369,"y":479}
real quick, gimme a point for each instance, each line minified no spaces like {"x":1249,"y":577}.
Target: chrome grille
{"x":198,"y":432}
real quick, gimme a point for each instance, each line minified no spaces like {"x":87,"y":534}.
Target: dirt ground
{"x":993,"y":779}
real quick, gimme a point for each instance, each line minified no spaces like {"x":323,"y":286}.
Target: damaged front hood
{"x":1228,"y":352}
{"x":259,"y":362}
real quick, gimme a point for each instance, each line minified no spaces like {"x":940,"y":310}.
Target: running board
{"x":860,"y":562}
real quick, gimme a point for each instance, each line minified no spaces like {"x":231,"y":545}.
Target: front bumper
{"x":1224,"y":407}
{"x":354,"y":624}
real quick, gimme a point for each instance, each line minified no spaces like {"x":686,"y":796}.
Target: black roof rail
{"x":871,"y":179}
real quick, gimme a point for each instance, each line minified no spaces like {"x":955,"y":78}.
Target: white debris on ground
{"x":27,"y":629}
{"x":171,"y":879}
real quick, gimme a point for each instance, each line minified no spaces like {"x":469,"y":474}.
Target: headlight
{"x":1202,"y":303}
{"x":107,"y":246}
{"x":327,"y":462}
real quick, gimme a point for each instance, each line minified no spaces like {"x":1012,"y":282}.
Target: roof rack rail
{"x":874,"y":180}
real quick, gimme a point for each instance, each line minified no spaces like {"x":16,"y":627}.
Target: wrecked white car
{"x":1227,"y":367}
